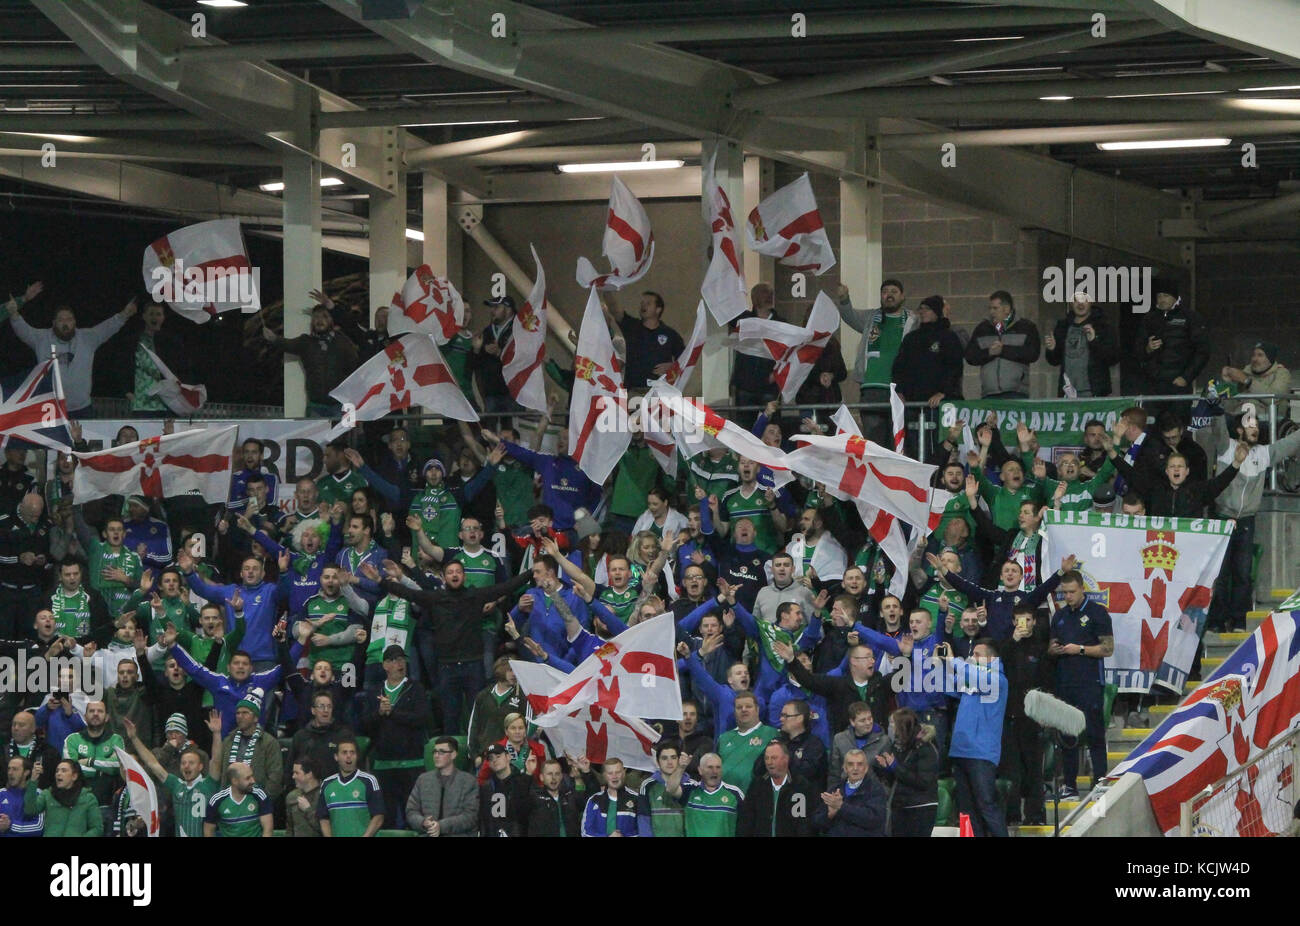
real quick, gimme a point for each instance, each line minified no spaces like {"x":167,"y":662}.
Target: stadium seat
{"x":401,"y":833}
{"x":945,"y":813}
{"x":363,"y":747}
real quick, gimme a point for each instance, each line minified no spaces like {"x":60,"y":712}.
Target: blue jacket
{"x":595,"y":818}
{"x":225,"y":691}
{"x":544,"y":624}
{"x":919,"y":701}
{"x":20,"y":824}
{"x":564,"y":486}
{"x":261,"y":605}
{"x":721,"y":699}
{"x":239,"y":488}
{"x":302,"y":579}
{"x":790,"y":691}
{"x":862,"y":813}
{"x":977,"y":731}
{"x":1001,"y":603}
{"x":156,"y":537}
{"x":57,"y":725}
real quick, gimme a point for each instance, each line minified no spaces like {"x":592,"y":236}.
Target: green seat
{"x":463,"y":761}
{"x":277,"y":833}
{"x":363,"y":747}
{"x":945,"y":813}
{"x":1108,"y":702}
{"x":396,"y":833}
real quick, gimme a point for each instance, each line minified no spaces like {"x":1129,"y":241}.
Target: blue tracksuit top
{"x":919,"y":701}
{"x":790,"y":691}
{"x":595,"y":817}
{"x":261,"y":604}
{"x":564,"y":486}
{"x":11,"y":804}
{"x":303,"y":575}
{"x":544,"y":623}
{"x":156,"y":537}
{"x":1001,"y":603}
{"x":977,"y":730}
{"x":57,"y":725}
{"x":225,"y":691}
{"x":722,"y":700}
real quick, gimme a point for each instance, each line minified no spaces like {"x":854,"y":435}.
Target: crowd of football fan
{"x":356,"y":637}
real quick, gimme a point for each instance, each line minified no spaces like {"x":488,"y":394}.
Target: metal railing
{"x":1272,"y":789}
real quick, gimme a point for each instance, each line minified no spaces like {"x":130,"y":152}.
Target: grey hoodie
{"x":1242,"y":496}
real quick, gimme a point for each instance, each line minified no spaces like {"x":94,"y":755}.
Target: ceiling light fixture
{"x":223,"y":4}
{"x":277,"y":186}
{"x":1055,"y":99}
{"x":1163,"y":144}
{"x":991,"y":38}
{"x":416,"y":125}
{"x":415,"y":234}
{"x":612,"y":166}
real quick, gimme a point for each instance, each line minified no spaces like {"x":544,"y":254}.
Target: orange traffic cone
{"x":964,"y":827}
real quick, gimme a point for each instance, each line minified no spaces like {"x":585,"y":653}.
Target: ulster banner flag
{"x":409,"y":371}
{"x":427,"y":304}
{"x":680,"y":374}
{"x":201,"y":270}
{"x":788,"y":226}
{"x":598,"y":436}
{"x":521,"y":364}
{"x":795,"y":350}
{"x":196,"y":462}
{"x":141,"y":791}
{"x":724,"y":283}
{"x":629,"y":243}
{"x":181,"y":398}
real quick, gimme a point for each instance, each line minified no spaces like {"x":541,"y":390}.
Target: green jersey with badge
{"x":439,"y":514}
{"x":332,"y":488}
{"x":190,"y":803}
{"x":621,"y":603}
{"x":666,"y":812}
{"x":116,"y":595}
{"x":336,"y":621}
{"x":715,"y":477}
{"x":238,"y":817}
{"x":349,"y":804}
{"x":71,"y":613}
{"x":739,"y":750}
{"x":712,"y":813}
{"x":514,"y":485}
{"x":98,"y":760}
{"x":175,"y":611}
{"x":391,"y":624}
{"x":755,"y":507}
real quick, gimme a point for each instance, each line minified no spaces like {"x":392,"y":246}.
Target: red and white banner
{"x":525,"y":355}
{"x":201,"y":270}
{"x":427,"y":304}
{"x":883,"y":527}
{"x":795,"y":350}
{"x":899,"y":415}
{"x":1155,"y":576}
{"x":409,"y":371}
{"x":863,"y":470}
{"x":141,"y":791}
{"x":684,"y":366}
{"x":36,"y":411}
{"x":629,"y":243}
{"x":181,"y":398}
{"x":724,"y":289}
{"x":788,"y":226}
{"x":195,"y":462}
{"x":598,"y":433}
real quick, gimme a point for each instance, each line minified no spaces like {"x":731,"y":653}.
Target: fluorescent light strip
{"x":1134,"y":96}
{"x":611,"y":166}
{"x":1055,"y":99}
{"x":415,"y":234}
{"x":1164,"y":143}
{"x":992,"y":38}
{"x":223,"y":4}
{"x":1262,"y":89}
{"x":277,"y":186}
{"x":416,"y":125}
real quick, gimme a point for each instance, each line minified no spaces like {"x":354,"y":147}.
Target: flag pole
{"x":60,"y":399}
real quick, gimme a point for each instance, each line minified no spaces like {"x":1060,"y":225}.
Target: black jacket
{"x":456,"y":614}
{"x":1188,"y":500}
{"x":326,"y":361}
{"x":831,"y":361}
{"x":1155,"y":453}
{"x":503,"y":804}
{"x":929,"y":361}
{"x":808,"y":759}
{"x":47,"y":754}
{"x":17,"y":538}
{"x":321,"y":743}
{"x":1008,"y":371}
{"x":399,"y":734}
{"x":487,"y":368}
{"x":1027,"y":667}
{"x":840,"y":692}
{"x":1184,"y":348}
{"x":863,"y":813}
{"x":1103,"y":351}
{"x":543,"y":812}
{"x":764,"y":812}
{"x":915,"y":775}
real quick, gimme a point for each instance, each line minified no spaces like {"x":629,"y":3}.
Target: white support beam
{"x":1083,"y":134}
{"x":433,"y":218}
{"x":302,"y":265}
{"x":716,"y":361}
{"x":548,"y":186}
{"x":453,"y":113}
{"x":23,"y":144}
{"x":1266,"y":27}
{"x":861,"y":235}
{"x":388,"y":269}
{"x":504,"y":141}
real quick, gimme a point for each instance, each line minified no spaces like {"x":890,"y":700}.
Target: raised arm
{"x":143,"y":752}
{"x":570,"y":568}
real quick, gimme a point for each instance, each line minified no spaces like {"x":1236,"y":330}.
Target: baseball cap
{"x":393,"y":651}
{"x":500,"y":300}
{"x":496,"y":749}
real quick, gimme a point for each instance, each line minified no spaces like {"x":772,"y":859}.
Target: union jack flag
{"x":35,"y":410}
{"x":1246,"y":705}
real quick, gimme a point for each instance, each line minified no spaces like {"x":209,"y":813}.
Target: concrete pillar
{"x":301,"y":247}
{"x":861,"y":215}
{"x":729,"y":172}
{"x":388,"y":269}
{"x":434,"y":225}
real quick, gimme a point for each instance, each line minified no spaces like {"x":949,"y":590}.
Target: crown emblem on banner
{"x":1227,"y":693}
{"x":1159,"y":554}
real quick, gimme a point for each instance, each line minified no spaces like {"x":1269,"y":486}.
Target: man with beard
{"x":328,"y":357}
{"x":95,"y":750}
{"x":14,"y":820}
{"x":190,"y":790}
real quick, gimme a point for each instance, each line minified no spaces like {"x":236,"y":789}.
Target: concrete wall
{"x":1247,"y":292}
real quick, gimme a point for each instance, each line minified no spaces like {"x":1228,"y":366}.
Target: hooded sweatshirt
{"x":1009,"y":370}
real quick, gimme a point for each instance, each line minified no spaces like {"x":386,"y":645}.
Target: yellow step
{"x":1038,"y":831}
{"x":1210,"y":662}
{"x":1163,"y":710}
{"x":1281,"y":594}
{"x":1115,"y":758}
{"x":1257,"y":615}
{"x":1234,"y":637}
{"x":1136,"y":734}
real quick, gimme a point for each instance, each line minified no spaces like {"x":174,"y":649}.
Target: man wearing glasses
{"x":444,"y":802}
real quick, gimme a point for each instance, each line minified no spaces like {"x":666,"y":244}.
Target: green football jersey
{"x":666,"y":812}
{"x":715,"y":477}
{"x":756,"y":508}
{"x":190,"y":803}
{"x":350,"y":804}
{"x":440,"y":515}
{"x":739,"y":751}
{"x":391,"y":624}
{"x":331,"y":488}
{"x":115,"y":594}
{"x":621,"y":603}
{"x":712,"y":813}
{"x":238,"y":817}
{"x":175,"y":611}
{"x":336,"y":612}
{"x":71,"y":613}
{"x":514,"y":485}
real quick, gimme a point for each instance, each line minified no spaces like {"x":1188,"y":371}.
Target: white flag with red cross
{"x":409,"y":371}
{"x":884,"y":528}
{"x":724,"y":289}
{"x":181,"y":398}
{"x":195,"y":462}
{"x":862,"y":470}
{"x":427,"y":304}
{"x":201,"y":270}
{"x":794,"y":350}
{"x":684,"y":366}
{"x":598,"y":433}
{"x":521,"y":364}
{"x":629,"y":243}
{"x":788,"y":226}
{"x":141,"y":791}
